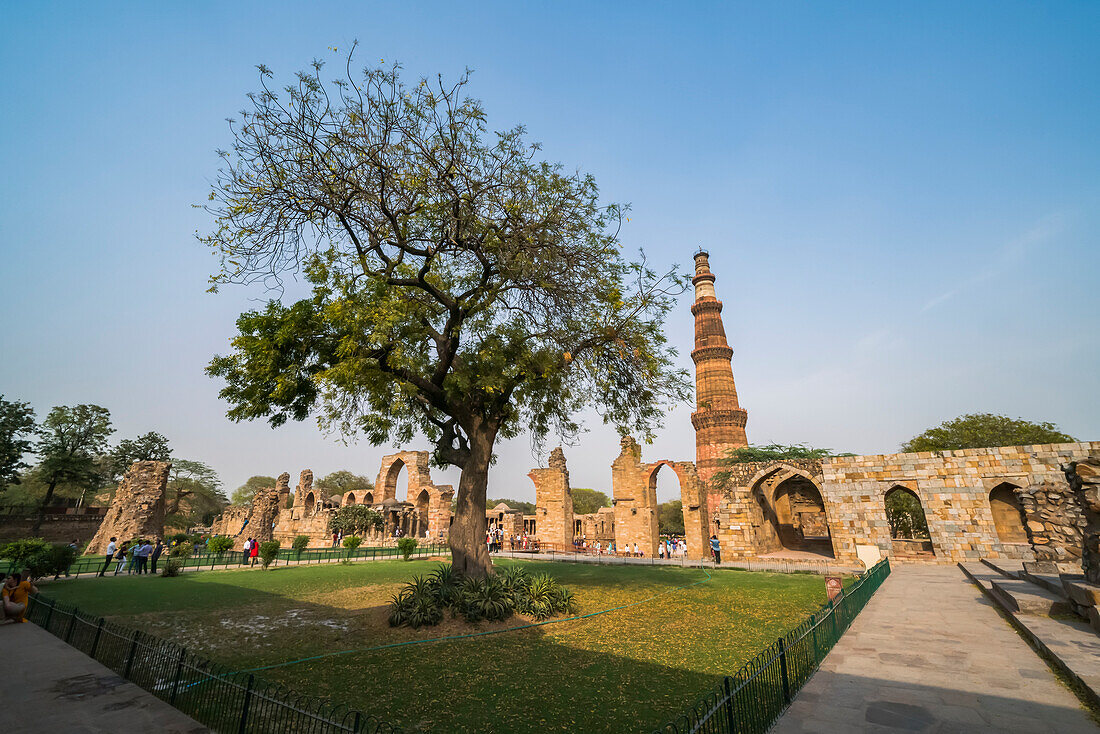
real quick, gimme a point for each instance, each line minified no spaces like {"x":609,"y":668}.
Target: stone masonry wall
{"x":553,"y":502}
{"x":137,"y":509}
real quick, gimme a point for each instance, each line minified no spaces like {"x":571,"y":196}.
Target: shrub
{"x":268,"y":550}
{"x":33,"y":553}
{"x":485,"y":599}
{"x":38,"y":557}
{"x":445,"y":586}
{"x":181,"y":550}
{"x":219,"y":544}
{"x":173,"y":567}
{"x":406,"y":546}
{"x":352,"y":542}
{"x":300,"y":543}
{"x":178,"y":538}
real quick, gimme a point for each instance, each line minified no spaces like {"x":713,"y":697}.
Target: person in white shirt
{"x":111,"y":548}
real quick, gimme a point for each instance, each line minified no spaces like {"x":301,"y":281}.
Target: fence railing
{"x":750,"y":701}
{"x":237,"y":559}
{"x":224,"y":700}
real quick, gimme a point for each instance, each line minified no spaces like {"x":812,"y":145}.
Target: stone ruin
{"x":137,"y":510}
{"x":1055,"y":521}
{"x":1084,"y":479}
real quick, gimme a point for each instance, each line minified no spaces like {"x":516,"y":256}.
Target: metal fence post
{"x":355,"y":726}
{"x":729,"y":704}
{"x":783,"y":669}
{"x":72,"y":623}
{"x":176,"y":681}
{"x":49,"y":614}
{"x":95,"y":640}
{"x":130,"y":656}
{"x":244,"y":707}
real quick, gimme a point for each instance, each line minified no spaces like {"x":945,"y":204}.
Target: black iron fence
{"x":236,"y":559}
{"x":222,"y":699}
{"x":750,"y":701}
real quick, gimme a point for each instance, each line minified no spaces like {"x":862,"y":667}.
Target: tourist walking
{"x":247,"y":551}
{"x":255,"y":552}
{"x":121,"y":556}
{"x":155,"y":555}
{"x":715,"y":550}
{"x":111,"y":547}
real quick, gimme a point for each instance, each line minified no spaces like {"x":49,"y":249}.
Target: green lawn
{"x":627,"y":670}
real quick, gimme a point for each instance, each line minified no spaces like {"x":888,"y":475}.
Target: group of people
{"x":139,"y":556}
{"x":15,"y":594}
{"x":672,"y":547}
{"x":494,"y":538}
{"x":252,"y":550}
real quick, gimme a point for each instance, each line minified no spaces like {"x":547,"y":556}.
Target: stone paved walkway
{"x":51,"y":687}
{"x":929,"y":654}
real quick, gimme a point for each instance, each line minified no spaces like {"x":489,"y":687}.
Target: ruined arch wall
{"x":553,"y":502}
{"x":633,"y":486}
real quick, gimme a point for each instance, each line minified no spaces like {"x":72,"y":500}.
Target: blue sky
{"x":901,"y":200}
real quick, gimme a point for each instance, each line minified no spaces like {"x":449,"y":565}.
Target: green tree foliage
{"x":462,"y":288}
{"x":352,"y":542}
{"x":342,"y":481}
{"x":528,"y":508}
{"x":983,"y":430}
{"x":17,"y":426}
{"x":905,"y":515}
{"x":301,"y":542}
{"x":770,"y":452}
{"x":150,"y":446}
{"x":355,"y":520}
{"x":193,"y":494}
{"x":587,"y":501}
{"x":670,"y":518}
{"x":71,"y":440}
{"x":243,"y":494}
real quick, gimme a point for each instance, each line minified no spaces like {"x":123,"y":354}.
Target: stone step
{"x":1027,"y":598}
{"x":1046,"y":581}
{"x":1007,"y":568}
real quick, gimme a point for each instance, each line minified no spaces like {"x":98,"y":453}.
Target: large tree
{"x":71,"y":442}
{"x":243,"y":494}
{"x":587,"y":501}
{"x":983,"y":430}
{"x":193,"y":493}
{"x":342,"y":481}
{"x":16,"y":430}
{"x":462,"y":288}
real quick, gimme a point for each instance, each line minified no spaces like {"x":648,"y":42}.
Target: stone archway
{"x":310,"y":504}
{"x":1008,"y":515}
{"x":910,"y":535}
{"x":368,"y":498}
{"x":420,"y":521}
{"x":349,"y":499}
{"x":792,"y":513}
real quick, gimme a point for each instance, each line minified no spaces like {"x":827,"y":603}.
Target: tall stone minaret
{"x":718,"y":419}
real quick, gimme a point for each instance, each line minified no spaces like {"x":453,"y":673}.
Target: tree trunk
{"x":46,"y":503}
{"x":469,"y":554}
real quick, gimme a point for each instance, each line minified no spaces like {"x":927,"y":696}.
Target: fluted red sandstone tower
{"x":718,"y":419}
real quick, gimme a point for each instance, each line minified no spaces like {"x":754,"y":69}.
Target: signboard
{"x":833,"y":587}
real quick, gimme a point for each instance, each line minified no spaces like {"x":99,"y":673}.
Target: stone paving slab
{"x":51,"y":687}
{"x":929,"y":654}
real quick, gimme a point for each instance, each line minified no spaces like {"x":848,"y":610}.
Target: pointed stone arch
{"x":1008,"y":514}
{"x":791,"y":511}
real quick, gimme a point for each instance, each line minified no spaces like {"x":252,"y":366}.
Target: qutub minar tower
{"x":718,"y":419}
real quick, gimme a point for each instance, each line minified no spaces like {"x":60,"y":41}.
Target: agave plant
{"x":445,"y":585}
{"x":485,"y":599}
{"x":401,"y":606}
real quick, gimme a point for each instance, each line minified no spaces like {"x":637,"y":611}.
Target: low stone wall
{"x":55,"y":528}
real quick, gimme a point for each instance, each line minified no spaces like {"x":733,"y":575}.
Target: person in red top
{"x":255,"y":551}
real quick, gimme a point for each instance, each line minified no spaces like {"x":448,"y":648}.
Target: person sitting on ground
{"x":16,"y":595}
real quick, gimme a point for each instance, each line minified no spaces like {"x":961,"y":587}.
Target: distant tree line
{"x":74,"y":461}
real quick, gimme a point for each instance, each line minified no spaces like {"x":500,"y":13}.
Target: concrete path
{"x":51,"y":687}
{"x":929,"y":654}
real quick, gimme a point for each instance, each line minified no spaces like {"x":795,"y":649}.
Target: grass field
{"x":627,"y":670}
